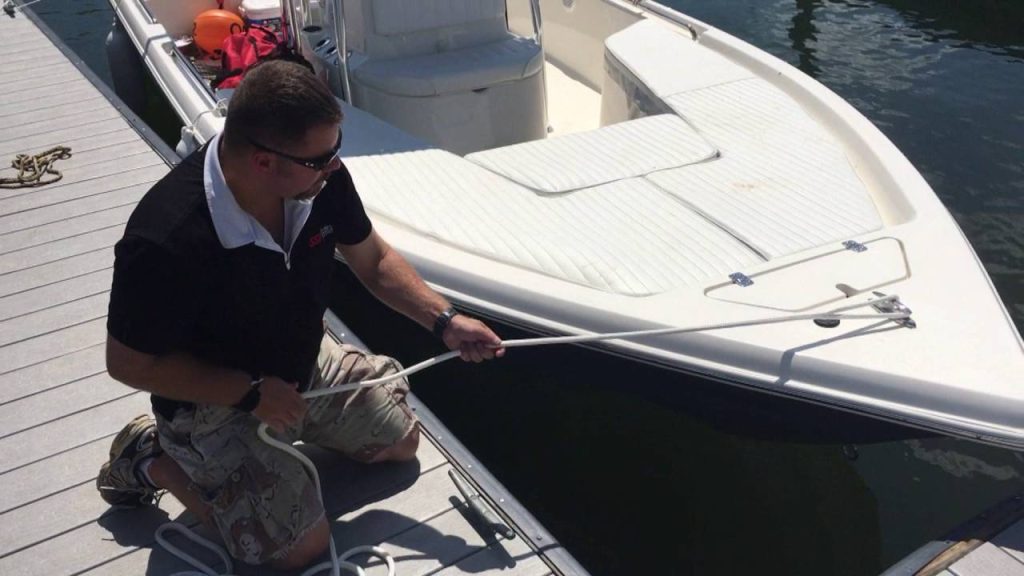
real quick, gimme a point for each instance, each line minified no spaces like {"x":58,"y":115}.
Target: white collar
{"x":236,"y":227}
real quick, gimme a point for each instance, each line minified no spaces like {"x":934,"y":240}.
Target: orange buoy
{"x":211,"y":27}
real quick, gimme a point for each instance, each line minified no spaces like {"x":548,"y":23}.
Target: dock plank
{"x":377,"y":521}
{"x":137,"y":172}
{"x":29,"y":43}
{"x":60,"y":249}
{"x":78,"y":138}
{"x":24,"y":303}
{"x":35,"y":444}
{"x":524,"y":562}
{"x":56,"y":75}
{"x":444,"y":540}
{"x":18,"y":32}
{"x":1011,"y":541}
{"x":32,"y":524}
{"x":64,"y":540}
{"x":134,"y":529}
{"x":987,"y":560}
{"x":34,"y":99}
{"x":53,"y":319}
{"x":93,"y":137}
{"x":19,"y":118}
{"x":78,"y":225}
{"x":56,"y":403}
{"x":52,"y":345}
{"x":66,"y":268}
{"x":78,"y":168}
{"x":96,"y":111}
{"x":72,"y":208}
{"x":432,"y":469}
{"x":32,"y":53}
{"x":55,"y":474}
{"x":52,"y":373}
{"x":22,"y":68}
{"x":87,"y":165}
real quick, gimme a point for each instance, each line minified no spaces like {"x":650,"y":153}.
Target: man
{"x":220,"y":284}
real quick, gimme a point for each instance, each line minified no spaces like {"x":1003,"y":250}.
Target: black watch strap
{"x":251,"y":400}
{"x":443,"y":320}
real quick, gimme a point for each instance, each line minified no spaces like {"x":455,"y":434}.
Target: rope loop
{"x":33,"y":169}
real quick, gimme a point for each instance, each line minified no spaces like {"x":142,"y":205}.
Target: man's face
{"x":300,"y":170}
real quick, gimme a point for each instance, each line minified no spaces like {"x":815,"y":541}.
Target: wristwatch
{"x":443,"y":320}
{"x":251,"y":400}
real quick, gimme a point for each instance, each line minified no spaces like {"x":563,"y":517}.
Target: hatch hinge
{"x":855,"y":246}
{"x":740,"y":279}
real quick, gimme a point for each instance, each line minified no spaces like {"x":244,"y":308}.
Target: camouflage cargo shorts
{"x":262,"y":500}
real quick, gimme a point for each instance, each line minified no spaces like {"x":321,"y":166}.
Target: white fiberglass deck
{"x":724,"y":173}
{"x":59,"y":410}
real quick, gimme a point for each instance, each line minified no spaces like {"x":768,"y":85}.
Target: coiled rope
{"x":32,"y":169}
{"x":336,"y":563}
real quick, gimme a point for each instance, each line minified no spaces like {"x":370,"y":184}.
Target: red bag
{"x":243,"y":49}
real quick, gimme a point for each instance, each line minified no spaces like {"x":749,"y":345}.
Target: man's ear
{"x":262,"y":162}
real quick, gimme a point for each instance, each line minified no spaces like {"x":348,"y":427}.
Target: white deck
{"x":572,"y":105}
{"x":59,"y":410}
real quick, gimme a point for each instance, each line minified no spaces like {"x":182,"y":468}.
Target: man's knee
{"x":403,"y":450}
{"x":308,"y":549}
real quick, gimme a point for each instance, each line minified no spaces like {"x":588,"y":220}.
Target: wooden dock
{"x":59,"y":410}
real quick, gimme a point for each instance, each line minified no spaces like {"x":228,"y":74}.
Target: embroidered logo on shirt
{"x":316,"y":239}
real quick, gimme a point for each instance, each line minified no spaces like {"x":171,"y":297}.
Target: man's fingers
{"x":298,"y":405}
{"x":469,"y":352}
{"x":476,"y":352}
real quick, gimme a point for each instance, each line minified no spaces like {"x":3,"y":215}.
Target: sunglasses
{"x":318,"y":163}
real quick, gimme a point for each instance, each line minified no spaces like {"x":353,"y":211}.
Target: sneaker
{"x":120,"y":483}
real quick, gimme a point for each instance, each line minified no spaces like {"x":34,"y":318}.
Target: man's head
{"x":285,"y":124}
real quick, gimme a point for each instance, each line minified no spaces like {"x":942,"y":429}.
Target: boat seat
{"x":449,"y":72}
{"x":782,"y":182}
{"x":666,"y":60}
{"x":434,"y":47}
{"x":473,"y":68}
{"x":585,"y":159}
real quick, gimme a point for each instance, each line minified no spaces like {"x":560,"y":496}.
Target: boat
{"x":595,"y":167}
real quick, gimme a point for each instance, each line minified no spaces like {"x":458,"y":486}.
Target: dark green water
{"x":639,"y":471}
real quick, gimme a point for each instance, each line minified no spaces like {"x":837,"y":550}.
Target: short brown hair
{"x":278,"y":102}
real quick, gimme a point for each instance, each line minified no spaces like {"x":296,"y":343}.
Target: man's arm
{"x":183,"y":377}
{"x":390,"y":277}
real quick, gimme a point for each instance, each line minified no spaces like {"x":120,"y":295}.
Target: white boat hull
{"x":960,"y":372}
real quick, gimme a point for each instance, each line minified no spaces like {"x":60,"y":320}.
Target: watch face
{"x":443,"y":320}
{"x":251,"y":400}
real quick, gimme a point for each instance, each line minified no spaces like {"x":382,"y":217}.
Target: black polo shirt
{"x":179,"y":287}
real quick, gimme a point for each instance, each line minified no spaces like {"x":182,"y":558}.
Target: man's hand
{"x":280,"y":405}
{"x":473,"y":339}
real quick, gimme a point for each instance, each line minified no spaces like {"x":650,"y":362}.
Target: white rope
{"x":184,"y":531}
{"x":336,"y":563}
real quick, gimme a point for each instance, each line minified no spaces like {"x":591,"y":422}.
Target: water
{"x":640,"y":471}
